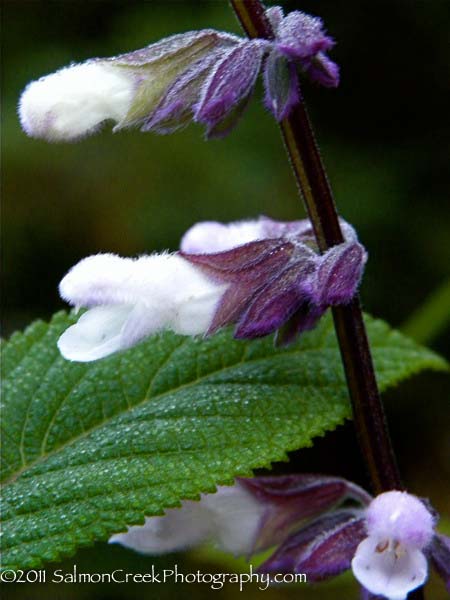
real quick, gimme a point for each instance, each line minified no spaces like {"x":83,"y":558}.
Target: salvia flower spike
{"x":204,"y":76}
{"x":262,"y":276}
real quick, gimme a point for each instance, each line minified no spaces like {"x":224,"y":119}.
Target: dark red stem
{"x":369,"y":417}
{"x":368,"y":412}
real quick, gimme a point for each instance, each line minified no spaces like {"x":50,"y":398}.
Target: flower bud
{"x":301,"y":36}
{"x":339,"y":274}
{"x":302,"y":39}
{"x":323,"y":71}
{"x":204,"y":76}
{"x":127,"y":89}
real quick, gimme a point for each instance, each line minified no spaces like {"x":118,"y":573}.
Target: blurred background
{"x":384,"y":138}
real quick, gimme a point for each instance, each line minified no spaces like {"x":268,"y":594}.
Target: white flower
{"x":129,"y":299}
{"x":156,"y":87}
{"x":390,"y":561}
{"x":230,"y":517}
{"x":76,"y":100}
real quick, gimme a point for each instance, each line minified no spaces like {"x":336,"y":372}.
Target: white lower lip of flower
{"x":388,"y":569}
{"x":96,"y":335}
{"x":74,"y":101}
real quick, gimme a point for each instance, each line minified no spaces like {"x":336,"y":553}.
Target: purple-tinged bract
{"x":338,"y":274}
{"x":322,"y":549}
{"x":301,"y":36}
{"x":230,"y":83}
{"x":281,"y":85}
{"x":295,"y":499}
{"x":280,"y":283}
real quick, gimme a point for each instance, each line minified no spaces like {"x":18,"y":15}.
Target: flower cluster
{"x":264,"y":276}
{"x":206,"y":76}
{"x":321,"y":525}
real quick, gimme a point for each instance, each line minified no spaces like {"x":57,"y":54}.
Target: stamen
{"x":382,"y":546}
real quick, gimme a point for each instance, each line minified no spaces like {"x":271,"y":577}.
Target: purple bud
{"x":440,"y":555}
{"x":281,"y":85}
{"x":339,"y":274}
{"x":323,"y":549}
{"x":301,"y":36}
{"x":230,"y":83}
{"x":323,"y":70}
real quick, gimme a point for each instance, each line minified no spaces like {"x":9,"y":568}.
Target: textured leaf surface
{"x":90,"y":448}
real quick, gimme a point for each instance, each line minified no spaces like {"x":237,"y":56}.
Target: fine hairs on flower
{"x":204,"y":76}
{"x":258,"y":275}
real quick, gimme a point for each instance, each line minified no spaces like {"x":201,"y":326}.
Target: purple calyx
{"x":280,"y":284}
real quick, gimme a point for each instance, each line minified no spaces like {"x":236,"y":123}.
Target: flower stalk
{"x":369,"y":417}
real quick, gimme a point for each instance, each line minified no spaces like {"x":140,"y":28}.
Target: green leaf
{"x":89,"y":448}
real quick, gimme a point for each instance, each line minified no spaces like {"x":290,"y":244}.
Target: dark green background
{"x":384,"y":138}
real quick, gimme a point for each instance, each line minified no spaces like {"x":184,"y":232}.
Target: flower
{"x":242,"y":519}
{"x":204,"y":76}
{"x":262,"y":275}
{"x":386,"y":544}
{"x":153,"y":85}
{"x":319,"y":525}
{"x":390,"y":560}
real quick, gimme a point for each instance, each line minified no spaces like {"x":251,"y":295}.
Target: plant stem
{"x":369,"y":417}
